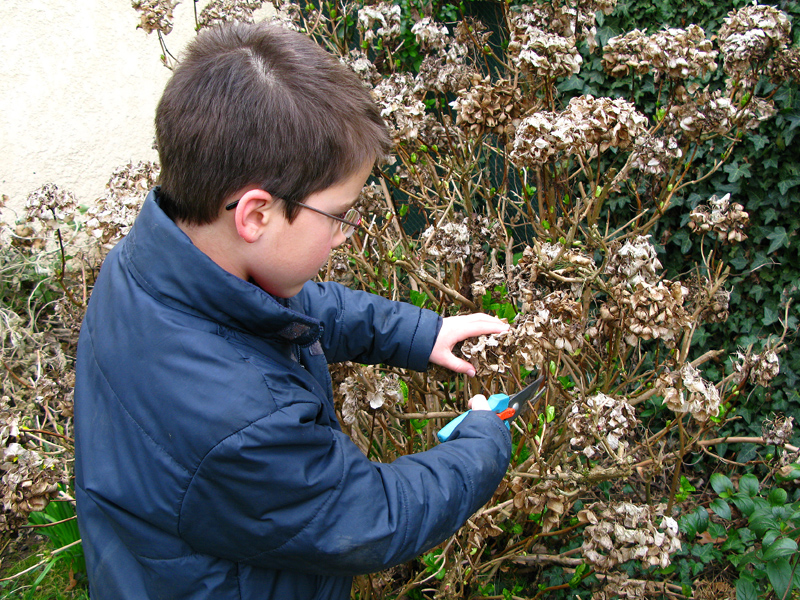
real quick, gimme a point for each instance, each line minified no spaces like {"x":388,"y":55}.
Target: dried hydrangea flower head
{"x":671,"y":53}
{"x":401,"y":108}
{"x":546,"y":496}
{"x":381,"y":21}
{"x":540,"y":53}
{"x":488,"y":107}
{"x":218,"y":12}
{"x":655,"y":154}
{"x":721,"y":216}
{"x":634,"y":262}
{"x":777,"y":431}
{"x":759,"y":368}
{"x":450,"y":241}
{"x":621,"y":531}
{"x":601,"y":425}
{"x":28,"y":479}
{"x":368,"y":386}
{"x":554,"y":262}
{"x":550,"y":325}
{"x":156,"y":14}
{"x":50,"y":204}
{"x":429,"y":35}
{"x":714,"y":306}
{"x":750,"y":34}
{"x":112,"y":217}
{"x":686,"y":391}
{"x":587,"y":125}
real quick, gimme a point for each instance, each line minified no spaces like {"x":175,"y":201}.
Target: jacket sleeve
{"x":287,"y":493}
{"x":369,"y":329}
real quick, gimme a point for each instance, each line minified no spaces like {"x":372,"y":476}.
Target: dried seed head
{"x":760,"y":368}
{"x":727,"y":220}
{"x":449,"y":241}
{"x":672,"y":53}
{"x":686,"y":391}
{"x":750,"y":34}
{"x":488,"y":107}
{"x":539,"y":52}
{"x":156,"y":14}
{"x":601,"y":426}
{"x":110,"y":219}
{"x":621,"y":531}
{"x":380,"y":20}
{"x":588,"y":125}
{"x":401,"y":108}
{"x":778,"y":430}
{"x":50,"y":203}
{"x":218,"y":12}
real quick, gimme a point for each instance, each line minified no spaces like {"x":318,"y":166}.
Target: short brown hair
{"x":260,"y":105}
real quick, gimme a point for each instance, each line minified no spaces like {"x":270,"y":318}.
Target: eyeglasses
{"x":350,"y":220}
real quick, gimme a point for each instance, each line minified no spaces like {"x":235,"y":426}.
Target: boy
{"x":209,"y":462}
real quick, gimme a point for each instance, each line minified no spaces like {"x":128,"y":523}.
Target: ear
{"x":254,"y":210}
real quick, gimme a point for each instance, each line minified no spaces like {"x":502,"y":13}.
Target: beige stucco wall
{"x":78,"y":92}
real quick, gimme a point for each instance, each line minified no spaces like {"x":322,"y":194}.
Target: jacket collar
{"x":163,"y":259}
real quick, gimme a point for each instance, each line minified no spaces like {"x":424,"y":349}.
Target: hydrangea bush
{"x":510,"y":192}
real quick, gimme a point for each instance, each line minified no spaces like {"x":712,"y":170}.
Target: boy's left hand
{"x":457,"y":329}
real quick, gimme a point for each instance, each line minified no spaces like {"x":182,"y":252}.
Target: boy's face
{"x":290,"y":254}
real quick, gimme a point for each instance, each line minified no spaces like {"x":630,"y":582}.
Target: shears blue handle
{"x":497,"y":402}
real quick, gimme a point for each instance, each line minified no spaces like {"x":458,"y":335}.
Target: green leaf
{"x":737,"y":171}
{"x":780,"y":576}
{"x":779,"y":238}
{"x":780,"y":548}
{"x":745,"y":590}
{"x":787,"y":184}
{"x":720,"y":483}
{"x":777,"y":497}
{"x":748,"y":484}
{"x":745,"y":504}
{"x":721,"y":508}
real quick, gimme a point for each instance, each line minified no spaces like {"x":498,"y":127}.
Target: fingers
{"x":479,"y":402}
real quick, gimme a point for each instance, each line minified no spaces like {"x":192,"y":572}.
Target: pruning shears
{"x":507,"y":407}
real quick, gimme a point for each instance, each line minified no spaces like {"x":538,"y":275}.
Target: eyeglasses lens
{"x":354,"y":217}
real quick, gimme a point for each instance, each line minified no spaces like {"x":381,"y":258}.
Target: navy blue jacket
{"x":209,"y":461}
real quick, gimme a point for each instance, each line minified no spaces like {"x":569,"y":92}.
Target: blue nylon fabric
{"x":209,"y":462}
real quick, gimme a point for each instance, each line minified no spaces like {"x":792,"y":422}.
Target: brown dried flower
{"x":368,"y":386}
{"x":777,"y":431}
{"x":217,"y":12}
{"x":50,"y":203}
{"x":156,"y":14}
{"x":488,"y":107}
{"x":727,"y":220}
{"x":686,"y":391}
{"x":750,"y":34}
{"x":111,"y":218}
{"x":539,"y":52}
{"x":673,"y":53}
{"x":601,"y":425}
{"x":760,"y":368}
{"x":621,"y":531}
{"x":381,"y":20}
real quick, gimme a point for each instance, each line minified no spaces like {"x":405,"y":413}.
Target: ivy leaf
{"x":737,"y":171}
{"x":759,"y":141}
{"x":787,"y":184}
{"x":778,"y":239}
